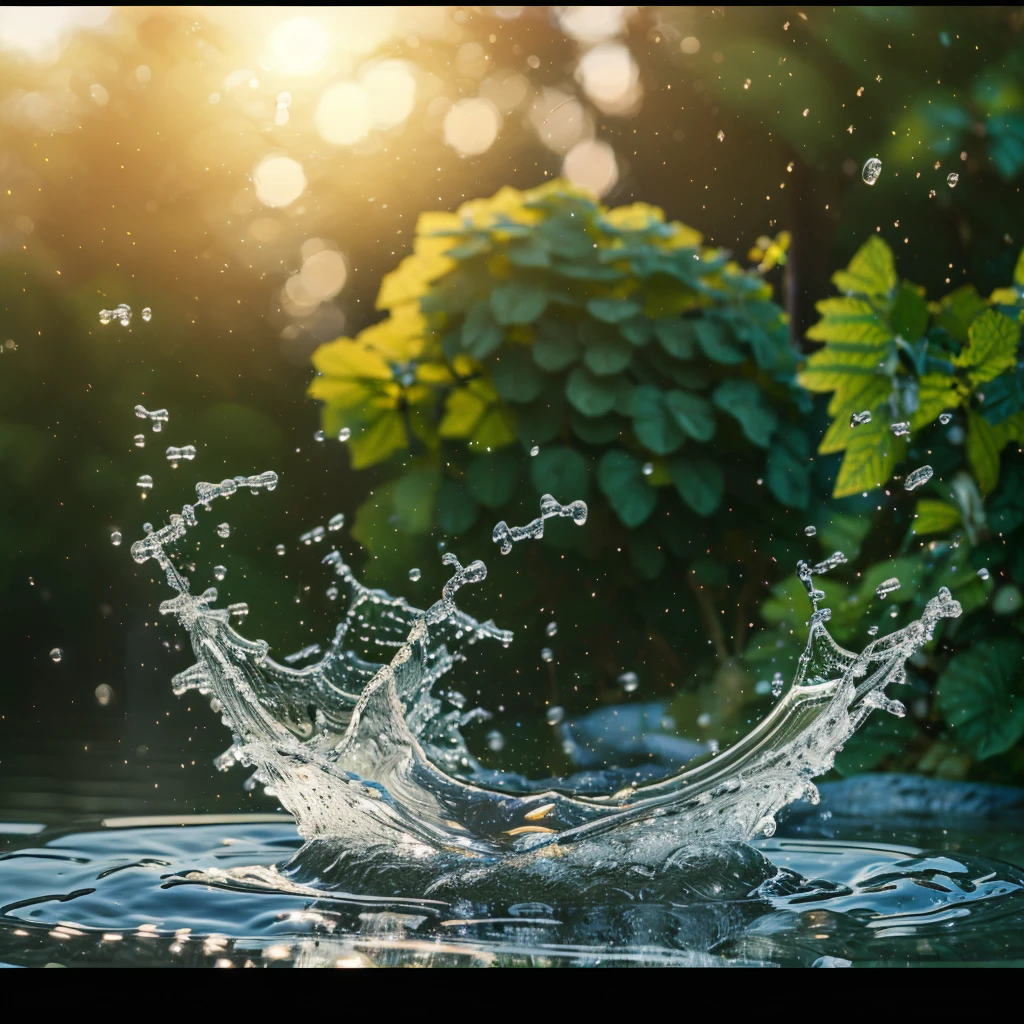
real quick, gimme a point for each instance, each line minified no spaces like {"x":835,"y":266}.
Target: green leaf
{"x":832,"y":368}
{"x":935,"y":517}
{"x":869,"y":459}
{"x":515,"y":377}
{"x":381,"y":439}
{"x":645,"y":553}
{"x":851,"y":320}
{"x":555,"y":346}
{"x":561,"y":471}
{"x":743,"y":400}
{"x":936,"y":392}
{"x":843,"y":532}
{"x":480,"y":334}
{"x":984,"y":443}
{"x":992,"y":349}
{"x":871,"y":272}
{"x":656,"y":429}
{"x":978,"y":693}
{"x":518,"y":303}
{"x":1018,"y":271}
{"x":596,"y":431}
{"x":492,"y":479}
{"x":608,"y":355}
{"x":909,"y":313}
{"x":676,"y":336}
{"x":613,"y":311}
{"x":713,"y":339}
{"x":529,"y":252}
{"x":956,"y":312}
{"x":457,"y":511}
{"x":541,"y":421}
{"x":590,"y":395}
{"x":1004,"y":396}
{"x":637,"y":331}
{"x":787,"y":470}
{"x":693,"y":414}
{"x":700,"y":483}
{"x":621,"y":479}
{"x":414,"y":494}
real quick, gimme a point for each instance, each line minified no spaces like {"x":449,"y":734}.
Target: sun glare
{"x":297,"y":47}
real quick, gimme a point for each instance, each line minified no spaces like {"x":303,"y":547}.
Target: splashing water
{"x":186,"y":453}
{"x":507,"y":536}
{"x":122,"y":314}
{"x":157,"y":417}
{"x":900,"y":429}
{"x":859,"y":418}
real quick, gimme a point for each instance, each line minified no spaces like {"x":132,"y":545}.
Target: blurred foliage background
{"x":254,"y":176}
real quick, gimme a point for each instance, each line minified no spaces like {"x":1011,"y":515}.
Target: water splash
{"x":186,"y":453}
{"x":157,"y":417}
{"x":858,"y":419}
{"x":506,"y":536}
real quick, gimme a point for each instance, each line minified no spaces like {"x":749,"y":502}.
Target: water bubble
{"x":872,"y":631}
{"x":648,"y":468}
{"x":115,"y":538}
{"x":56,"y":654}
{"x":860,"y":418}
{"x":983,"y":573}
{"x":945,"y":417}
{"x":629,"y":682}
{"x":551,"y":629}
{"x":140,"y":440}
{"x":279,"y":549}
{"x":900,"y":429}
{"x":318,"y":435}
{"x":778,"y":682}
{"x":332,"y":593}
{"x":555,"y":715}
{"x":219,"y":572}
{"x":145,"y":482}
{"x":223,"y":529}
{"x":495,"y":741}
{"x":952,"y":178}
{"x":919,"y":476}
{"x":344,"y":434}
{"x":810,"y":531}
{"x":336,"y":522}
{"x":871,"y":170}
{"x":188,"y":453}
{"x":414,"y":575}
{"x":887,"y":587}
{"x":535,"y":450}
{"x":546,"y":654}
{"x":104,"y":694}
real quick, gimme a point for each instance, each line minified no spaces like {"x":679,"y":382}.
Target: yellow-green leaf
{"x":1018,"y":271}
{"x":936,"y":392}
{"x":827,"y":369}
{"x":868,"y":398}
{"x":993,"y":347}
{"x":381,"y":438}
{"x":935,"y":517}
{"x":872,"y":271}
{"x":353,"y":359}
{"x":463,"y":410}
{"x":869,"y":459}
{"x":849,"y":319}
{"x":496,"y":429}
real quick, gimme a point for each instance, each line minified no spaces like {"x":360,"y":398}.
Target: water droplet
{"x":872,"y":631}
{"x":535,"y":450}
{"x":115,"y":538}
{"x":414,"y":575}
{"x":318,"y":435}
{"x":648,"y":468}
{"x":704,"y":720}
{"x":104,"y":694}
{"x":546,"y":654}
{"x":778,"y":682}
{"x":871,"y":171}
{"x":56,"y":654}
{"x":188,"y":453}
{"x":900,"y":429}
{"x":147,"y":314}
{"x":983,"y":573}
{"x":919,"y":476}
{"x":495,"y":741}
{"x":555,"y":715}
{"x":332,"y":593}
{"x":140,"y":440}
{"x":887,"y":587}
{"x":721,"y":135}
{"x":315,"y":535}
{"x":336,"y":522}
{"x":122,"y":314}
{"x":551,"y":629}
{"x":224,"y":530}
{"x":158,"y":417}
{"x":145,"y":482}
{"x":951,"y":179}
{"x":894,"y":613}
{"x":219,"y":572}
{"x":344,"y":434}
{"x":860,"y":418}
{"x":945,"y":417}
{"x":629,"y":682}
{"x":279,"y":549}
{"x":810,"y":531}
{"x":239,"y":609}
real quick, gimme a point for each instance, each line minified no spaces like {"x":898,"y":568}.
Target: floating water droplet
{"x":535,"y":450}
{"x":336,"y":522}
{"x":140,"y":440}
{"x":344,"y":434}
{"x":983,"y":573}
{"x":871,"y":170}
{"x":872,"y":631}
{"x":919,"y":476}
{"x":147,"y":314}
{"x":860,"y":418}
{"x":56,"y":654}
{"x":704,"y":720}
{"x":239,"y":609}
{"x":122,"y":314}
{"x":145,"y":482}
{"x":414,"y":575}
{"x":629,"y":682}
{"x":104,"y":694}
{"x":319,"y":435}
{"x":506,"y":536}
{"x":332,"y":593}
{"x":495,"y":741}
{"x":279,"y":549}
{"x":158,"y":417}
{"x":810,"y":531}
{"x":306,"y":652}
{"x":648,"y":468}
{"x":115,"y":538}
{"x":546,"y":654}
{"x":900,"y":429}
{"x":223,"y":529}
{"x":894,"y":613}
{"x":555,"y":715}
{"x":887,"y":587}
{"x":188,"y":453}
{"x":945,"y":417}
{"x":219,"y":572}
{"x":778,"y":682}
{"x":551,"y":629}
{"x":721,"y":135}
{"x":316,"y":534}
{"x":952,"y":178}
